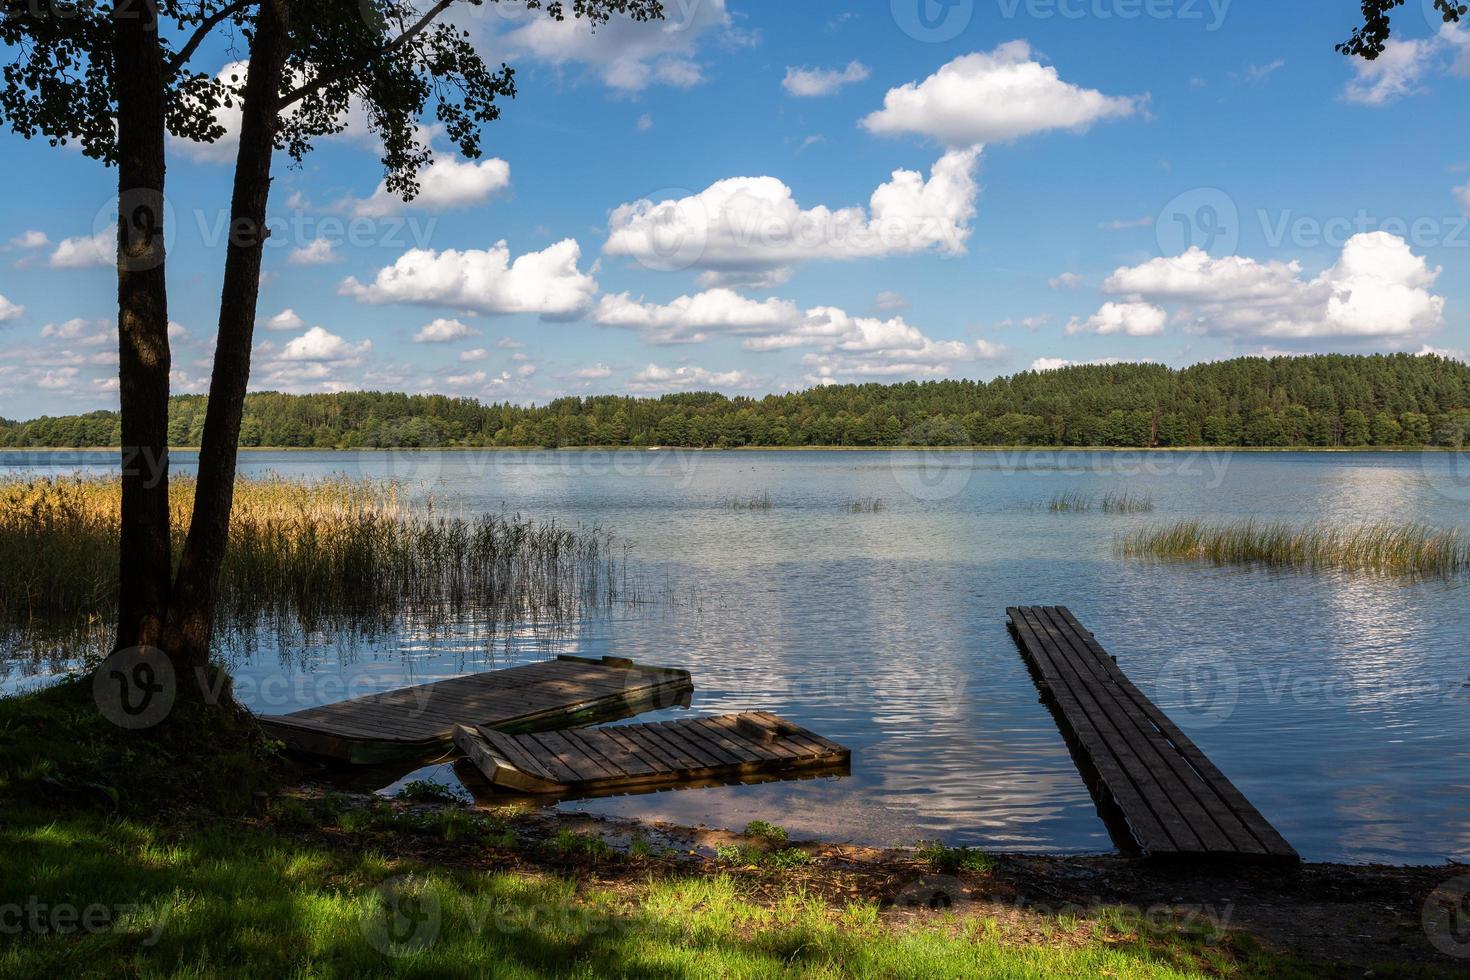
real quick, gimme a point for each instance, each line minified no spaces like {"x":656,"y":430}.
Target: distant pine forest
{"x":1396,"y":400}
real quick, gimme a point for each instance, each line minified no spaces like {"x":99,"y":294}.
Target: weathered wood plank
{"x":1174,"y":800}
{"x":421,"y":719}
{"x":642,"y":757}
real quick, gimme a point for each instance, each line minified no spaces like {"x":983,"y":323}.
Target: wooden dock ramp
{"x":412,"y":722}
{"x":1175,"y":802}
{"x":649,"y":756}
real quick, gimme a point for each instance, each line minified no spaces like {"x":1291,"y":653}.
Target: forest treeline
{"x":1320,"y":401}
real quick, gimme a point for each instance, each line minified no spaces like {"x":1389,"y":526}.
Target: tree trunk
{"x":142,"y":328}
{"x":196,"y":585}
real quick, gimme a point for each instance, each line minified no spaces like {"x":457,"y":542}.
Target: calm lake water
{"x":1339,"y":704}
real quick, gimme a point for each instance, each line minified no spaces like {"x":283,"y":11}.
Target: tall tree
{"x":116,"y":78}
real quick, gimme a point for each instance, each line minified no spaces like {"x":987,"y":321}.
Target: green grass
{"x":765,"y":830}
{"x":949,"y":860}
{"x":865,"y":505}
{"x":1383,"y":548}
{"x":231,"y":901}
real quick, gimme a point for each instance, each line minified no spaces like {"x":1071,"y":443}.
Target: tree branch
{"x":172,"y":66}
{"x":330,"y":77}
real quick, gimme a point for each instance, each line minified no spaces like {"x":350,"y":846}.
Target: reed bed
{"x":760,"y":502}
{"x":1070,"y":502}
{"x":1127,"y":502}
{"x":308,"y":557}
{"x":865,"y":505}
{"x":1383,"y":548}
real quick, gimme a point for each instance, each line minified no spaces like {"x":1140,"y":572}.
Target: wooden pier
{"x":413,"y":722}
{"x":1175,"y":802}
{"x":650,"y":756}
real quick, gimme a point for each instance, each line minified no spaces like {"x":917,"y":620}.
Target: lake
{"x":1340,"y":704}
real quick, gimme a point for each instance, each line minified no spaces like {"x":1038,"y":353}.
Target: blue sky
{"x":762,"y":197}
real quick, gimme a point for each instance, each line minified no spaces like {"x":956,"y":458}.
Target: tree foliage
{"x":1370,"y":38}
{"x":1321,"y":401}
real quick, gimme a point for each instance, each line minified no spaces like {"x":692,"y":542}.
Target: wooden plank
{"x":1259,"y":826}
{"x":1174,"y":800}
{"x":633,"y":758}
{"x":1215,"y":823}
{"x":1151,"y":835}
{"x":517,"y":754}
{"x":418,"y":719}
{"x":572,"y":756}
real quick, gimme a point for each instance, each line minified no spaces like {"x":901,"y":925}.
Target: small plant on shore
{"x":949,"y":860}
{"x":786,"y":858}
{"x":1126,"y":502}
{"x":583,"y":845}
{"x":1383,"y":548}
{"x":427,"y":791}
{"x":766,"y":831}
{"x":759,"y":502}
{"x":865,"y":505}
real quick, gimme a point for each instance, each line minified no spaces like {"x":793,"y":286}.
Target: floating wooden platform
{"x":1175,"y":802}
{"x":413,"y":722}
{"x":649,"y":756}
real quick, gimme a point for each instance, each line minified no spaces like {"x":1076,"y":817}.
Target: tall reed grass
{"x":320,"y":556}
{"x":1384,"y":548}
{"x":1126,"y":502}
{"x":761,"y":502}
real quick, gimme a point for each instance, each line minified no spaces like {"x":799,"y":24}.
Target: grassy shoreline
{"x":134,"y":853}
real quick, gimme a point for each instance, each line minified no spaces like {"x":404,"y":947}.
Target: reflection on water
{"x":1339,"y":704}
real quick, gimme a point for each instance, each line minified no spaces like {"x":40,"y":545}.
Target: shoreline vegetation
{"x":1414,"y":550}
{"x":306,"y":558}
{"x":916,"y":447}
{"x":1322,"y":401}
{"x":187,"y":860}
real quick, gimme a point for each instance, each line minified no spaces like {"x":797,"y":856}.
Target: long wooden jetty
{"x":1175,"y":802}
{"x":412,"y":722}
{"x":650,"y":756}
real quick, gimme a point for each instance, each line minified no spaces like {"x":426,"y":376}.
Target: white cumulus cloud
{"x":285,"y":320}
{"x":1129,"y":319}
{"x":992,"y":97}
{"x":815,"y":82}
{"x":1377,"y":288}
{"x":443,"y":330}
{"x":447,"y":183}
{"x":86,"y":250}
{"x":10,"y":311}
{"x":318,"y":251}
{"x":745,"y":224}
{"x":547,"y":282}
{"x":626,"y":55}
{"x":840,"y":344}
{"x":654,"y":378}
